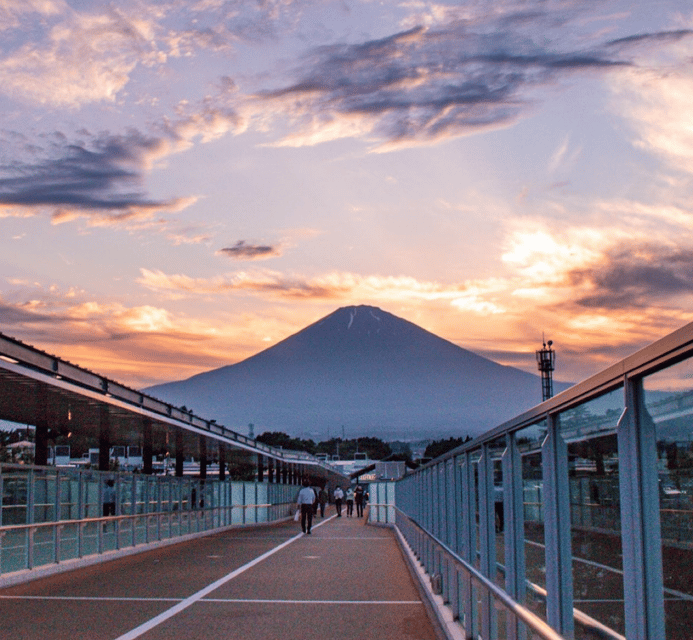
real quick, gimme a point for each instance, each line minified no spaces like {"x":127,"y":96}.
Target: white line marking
{"x":162,"y":617}
{"x":196,"y":597}
{"x":216,"y":600}
{"x":252,"y":601}
{"x":92,"y":598}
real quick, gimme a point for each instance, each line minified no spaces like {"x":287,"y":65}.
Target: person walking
{"x":305,"y":500}
{"x":338,"y":495}
{"x":350,"y":502}
{"x":358,"y":499}
{"x":322,"y":501}
{"x":109,"y":499}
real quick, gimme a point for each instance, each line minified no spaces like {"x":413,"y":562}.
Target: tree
{"x":439,"y":447}
{"x":285,"y":441}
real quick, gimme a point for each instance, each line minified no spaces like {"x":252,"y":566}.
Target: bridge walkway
{"x":345,"y":581}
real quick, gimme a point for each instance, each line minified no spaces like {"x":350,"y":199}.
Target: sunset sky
{"x":185,"y":183}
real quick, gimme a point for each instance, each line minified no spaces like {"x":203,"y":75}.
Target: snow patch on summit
{"x":352,"y":315}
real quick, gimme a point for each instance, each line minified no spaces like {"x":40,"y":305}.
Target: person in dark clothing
{"x":358,"y":499}
{"x":322,"y":501}
{"x":109,"y":499}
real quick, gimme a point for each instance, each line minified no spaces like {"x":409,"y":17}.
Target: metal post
{"x":468,"y":551}
{"x":487,"y":534}
{"x":640,"y":519}
{"x":104,"y":439}
{"x":180,"y":454}
{"x":41,"y":433}
{"x":222,"y":462}
{"x":559,"y":576}
{"x":147,"y":447}
{"x":514,"y":535}
{"x":203,"y":458}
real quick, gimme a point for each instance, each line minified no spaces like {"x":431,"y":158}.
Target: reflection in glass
{"x":590,"y":431}
{"x":529,"y":441}
{"x":668,"y":400}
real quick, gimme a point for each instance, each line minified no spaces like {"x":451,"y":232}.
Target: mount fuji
{"x":360,"y":371}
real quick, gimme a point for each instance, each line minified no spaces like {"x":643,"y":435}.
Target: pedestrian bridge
{"x":573,"y":520}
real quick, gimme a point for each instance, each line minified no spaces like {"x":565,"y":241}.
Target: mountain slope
{"x":364,"y":369}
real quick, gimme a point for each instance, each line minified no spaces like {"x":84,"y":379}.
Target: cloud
{"x":13,"y":12}
{"x":138,"y":345}
{"x":430,"y":83}
{"x":633,"y":276}
{"x":337,"y":286}
{"x":658,"y":107}
{"x":98,"y":180}
{"x":81,"y":58}
{"x":244,"y":251}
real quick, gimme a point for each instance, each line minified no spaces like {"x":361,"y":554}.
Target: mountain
{"x":363,"y":372}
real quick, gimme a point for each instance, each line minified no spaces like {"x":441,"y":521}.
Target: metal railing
{"x":464,"y":577}
{"x":50,"y":515}
{"x":29,"y":546}
{"x":587,"y":498}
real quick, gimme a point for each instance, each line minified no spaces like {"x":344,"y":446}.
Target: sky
{"x":186,"y":183}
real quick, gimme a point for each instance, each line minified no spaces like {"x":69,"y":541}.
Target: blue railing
{"x":579,"y":510}
{"x":50,"y":516}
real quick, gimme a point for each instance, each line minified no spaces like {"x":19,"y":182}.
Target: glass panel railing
{"x":668,"y":399}
{"x":590,"y":432}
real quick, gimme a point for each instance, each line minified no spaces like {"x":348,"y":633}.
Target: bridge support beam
{"x":41,"y":432}
{"x":180,"y":454}
{"x":203,"y":458}
{"x":147,"y":447}
{"x":104,"y":439}
{"x":222,"y":462}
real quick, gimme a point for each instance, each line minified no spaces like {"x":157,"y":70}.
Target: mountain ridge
{"x":363,"y":369}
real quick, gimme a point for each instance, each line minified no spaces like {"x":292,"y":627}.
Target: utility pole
{"x":546,"y":360}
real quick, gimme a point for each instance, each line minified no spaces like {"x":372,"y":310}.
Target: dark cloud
{"x":636,"y":277}
{"x":244,"y":251}
{"x":16,"y":315}
{"x":100,"y":177}
{"x":649,"y":38}
{"x":423,"y":84}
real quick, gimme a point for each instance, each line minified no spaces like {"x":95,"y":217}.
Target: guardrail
{"x":30,"y":546}
{"x":417,"y":538}
{"x":464,"y":576}
{"x":588,"y":498}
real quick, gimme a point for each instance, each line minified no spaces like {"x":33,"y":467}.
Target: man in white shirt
{"x":306,"y":499}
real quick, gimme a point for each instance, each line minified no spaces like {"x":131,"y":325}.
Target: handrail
{"x":669,"y":350}
{"x":130,"y":516}
{"x":534,"y":622}
{"x":583,"y":619}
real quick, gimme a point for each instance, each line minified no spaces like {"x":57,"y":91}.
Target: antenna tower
{"x":546,"y":360}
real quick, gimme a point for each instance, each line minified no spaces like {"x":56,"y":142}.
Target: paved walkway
{"x":346,"y":581}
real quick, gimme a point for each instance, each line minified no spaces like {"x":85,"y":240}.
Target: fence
{"x":52,"y":515}
{"x":580,"y":510}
